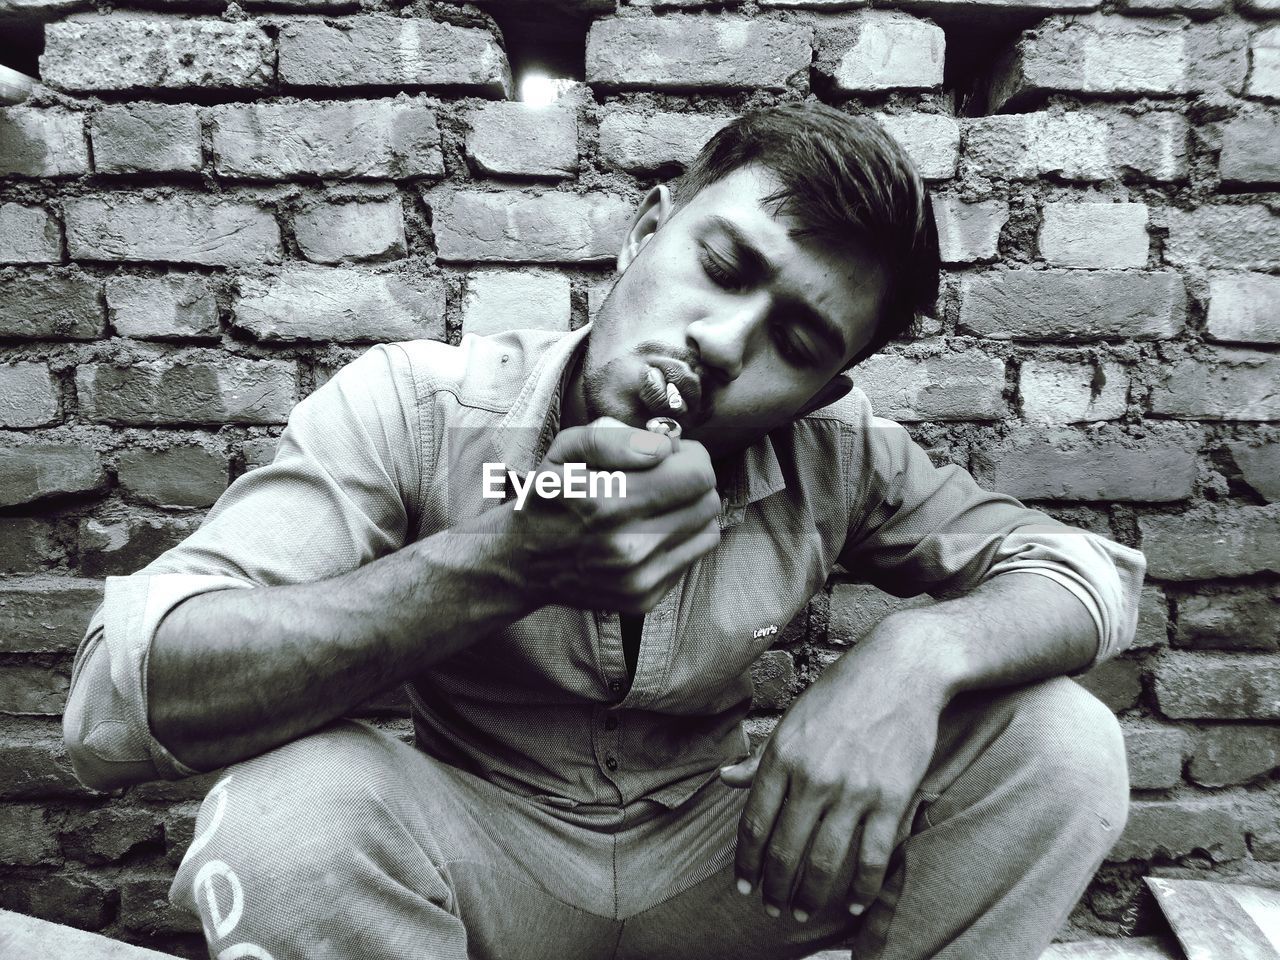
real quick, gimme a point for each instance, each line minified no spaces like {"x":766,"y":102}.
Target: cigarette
{"x":674,"y":400}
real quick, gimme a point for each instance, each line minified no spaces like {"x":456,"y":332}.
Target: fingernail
{"x":743,"y":886}
{"x":644,"y":442}
{"x":856,"y":909}
{"x":801,"y":916}
{"x":771,"y":910}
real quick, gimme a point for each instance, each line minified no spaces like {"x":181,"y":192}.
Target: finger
{"x":608,"y":444}
{"x":832,"y":849}
{"x":741,"y":774}
{"x":878,"y":834}
{"x":756,"y":823}
{"x":796,"y":823}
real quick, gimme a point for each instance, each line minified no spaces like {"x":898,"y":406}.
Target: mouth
{"x":670,"y":388}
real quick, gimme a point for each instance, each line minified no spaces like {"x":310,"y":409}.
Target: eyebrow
{"x":761,"y":268}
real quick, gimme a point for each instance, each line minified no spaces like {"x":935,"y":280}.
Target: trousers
{"x":348,"y":843}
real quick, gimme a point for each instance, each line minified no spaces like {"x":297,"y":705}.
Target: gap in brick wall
{"x":541,"y":44}
{"x":976,"y":42}
{"x":21,"y":43}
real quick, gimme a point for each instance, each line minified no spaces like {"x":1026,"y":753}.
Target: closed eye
{"x":720,"y":273}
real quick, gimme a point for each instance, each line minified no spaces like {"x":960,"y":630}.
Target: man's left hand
{"x":840,"y":770}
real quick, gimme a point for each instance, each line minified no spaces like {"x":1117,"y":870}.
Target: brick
{"x":1243,"y":237}
{"x":1116,"y":682}
{"x":45,"y":614}
{"x":1245,"y":620}
{"x":1152,"y":144}
{"x":1220,"y":384}
{"x":1244,"y":308}
{"x":146,"y":138}
{"x":541,"y":228}
{"x":389,"y":51}
{"x":1175,"y":6}
{"x":27,"y":544}
{"x":180,"y":829}
{"x":500,"y":300}
{"x":145,"y":906}
{"x":644,"y":143}
{"x":27,"y":838}
{"x":969,"y":232}
{"x":384,"y":139}
{"x":119,"y":547}
{"x":341,"y":304}
{"x":1261,"y":7}
{"x":78,"y":901}
{"x":1259,"y":467}
{"x":37,"y":471}
{"x":1072,"y":146}
{"x":1226,"y":755}
{"x":172,"y":307}
{"x":1155,"y":755}
{"x":1221,"y":686}
{"x":1069,"y":305}
{"x":351,"y":232}
{"x":1097,"y":235}
{"x":1153,"y":620}
{"x":259,"y":451}
{"x":28,"y":235}
{"x":1176,"y":828}
{"x":597,"y":293}
{"x":182,"y":476}
{"x":34,"y":763}
{"x":1212,"y":542}
{"x":993,"y":8}
{"x":1066,"y":391}
{"x":1248,"y":151}
{"x":824,"y":5}
{"x":520,"y":140}
{"x":682,"y":52}
{"x":105,"y":835}
{"x":56,"y":306}
{"x":773,"y":680}
{"x":1032,"y":463}
{"x":177,"y":229}
{"x":32,"y":690}
{"x":42,"y":143}
{"x":1264,"y":844}
{"x":963,"y":385}
{"x":93,"y":52}
{"x":1101,"y":53}
{"x":856,"y":608}
{"x":230,"y":390}
{"x":931,"y":140}
{"x":882,"y":50}
{"x":1264,"y":56}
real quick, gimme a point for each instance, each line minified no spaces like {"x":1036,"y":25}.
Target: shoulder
{"x":482,"y":371}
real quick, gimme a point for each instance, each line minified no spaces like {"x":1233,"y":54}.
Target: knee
{"x":1074,"y":750}
{"x":289,"y":810}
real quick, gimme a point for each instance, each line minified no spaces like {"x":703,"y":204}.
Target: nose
{"x":723,"y":337}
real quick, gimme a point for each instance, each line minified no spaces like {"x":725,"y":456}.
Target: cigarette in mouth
{"x":674,"y":400}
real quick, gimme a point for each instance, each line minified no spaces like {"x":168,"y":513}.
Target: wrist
{"x":916,"y":652}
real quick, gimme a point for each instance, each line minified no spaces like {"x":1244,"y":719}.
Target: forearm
{"x":235,"y":672}
{"x":1015,"y":628}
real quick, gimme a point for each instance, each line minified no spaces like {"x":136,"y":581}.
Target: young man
{"x":579,"y":667}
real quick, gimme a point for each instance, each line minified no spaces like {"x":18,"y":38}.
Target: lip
{"x":686,"y":382}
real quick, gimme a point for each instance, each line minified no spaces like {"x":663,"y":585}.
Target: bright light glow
{"x":539,"y":90}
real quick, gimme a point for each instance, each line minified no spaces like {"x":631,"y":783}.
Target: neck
{"x":573,"y":401}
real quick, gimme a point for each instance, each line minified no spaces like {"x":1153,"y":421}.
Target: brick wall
{"x":210,"y":208}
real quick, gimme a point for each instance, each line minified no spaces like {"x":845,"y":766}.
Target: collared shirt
{"x":391,"y":450}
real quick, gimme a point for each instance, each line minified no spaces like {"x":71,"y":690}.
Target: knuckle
{"x":751,"y":828}
{"x":781,"y":857}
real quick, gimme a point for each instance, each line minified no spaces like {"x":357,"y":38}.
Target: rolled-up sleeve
{"x":338,"y":494}
{"x":916,"y":528}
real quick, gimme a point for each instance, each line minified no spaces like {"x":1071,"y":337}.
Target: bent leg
{"x":1027,"y":793}
{"x":350,"y":844}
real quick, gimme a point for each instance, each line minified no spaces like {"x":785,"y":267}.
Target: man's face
{"x":747,"y":322}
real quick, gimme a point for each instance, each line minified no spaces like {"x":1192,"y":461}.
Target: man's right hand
{"x":618,"y":553}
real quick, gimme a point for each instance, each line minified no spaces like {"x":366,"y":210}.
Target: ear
{"x":830,"y":392}
{"x":652,"y":213}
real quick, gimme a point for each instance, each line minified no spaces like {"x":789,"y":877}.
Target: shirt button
{"x":615,"y":685}
{"x":611,"y":722}
{"x":611,"y":762}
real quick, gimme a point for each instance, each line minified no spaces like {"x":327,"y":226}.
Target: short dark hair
{"x":847,"y":181}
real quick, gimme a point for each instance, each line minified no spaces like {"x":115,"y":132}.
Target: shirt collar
{"x":534,"y":419}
